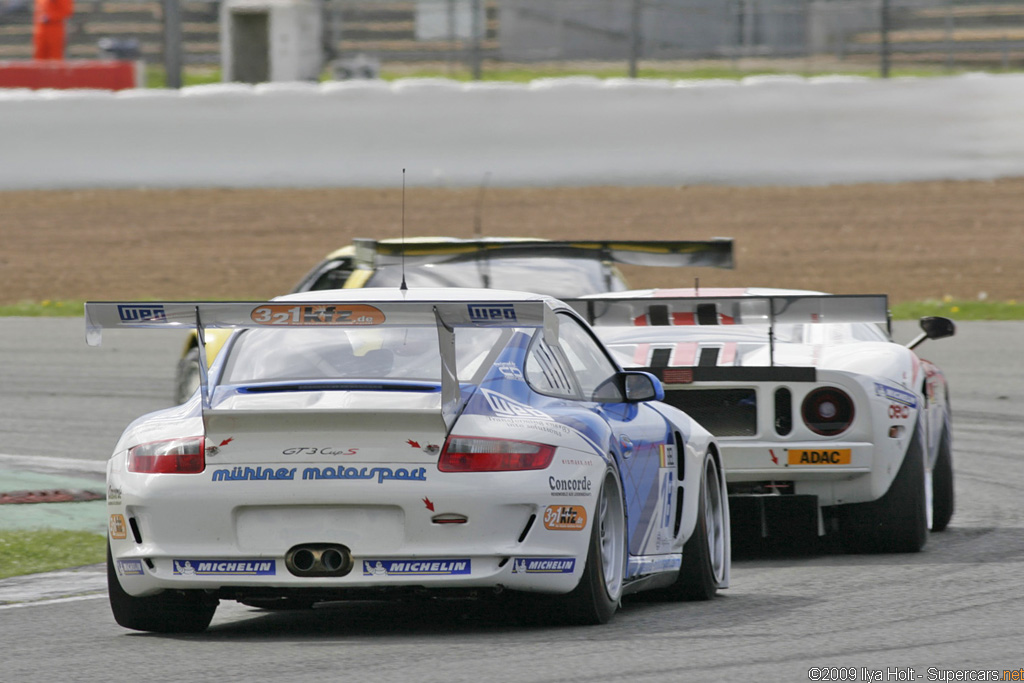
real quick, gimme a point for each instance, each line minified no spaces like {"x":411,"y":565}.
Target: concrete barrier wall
{"x":580,"y":131}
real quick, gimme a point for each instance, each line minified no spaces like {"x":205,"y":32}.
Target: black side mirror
{"x":934,"y":327}
{"x":642,"y":386}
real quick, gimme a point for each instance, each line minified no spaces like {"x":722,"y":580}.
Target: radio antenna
{"x":403,"y":286}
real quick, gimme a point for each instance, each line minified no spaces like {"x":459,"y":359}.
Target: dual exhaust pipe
{"x":319,"y":559}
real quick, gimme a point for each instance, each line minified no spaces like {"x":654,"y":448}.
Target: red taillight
{"x":174,"y":456}
{"x":827,"y":411}
{"x":465,"y":454}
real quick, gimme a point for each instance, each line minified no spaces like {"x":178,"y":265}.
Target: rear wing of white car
{"x":807,"y":309}
{"x":444,"y":316}
{"x":625,"y":311}
{"x":715,"y":253}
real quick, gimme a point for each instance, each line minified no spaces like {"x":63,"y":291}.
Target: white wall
{"x":765,"y":131}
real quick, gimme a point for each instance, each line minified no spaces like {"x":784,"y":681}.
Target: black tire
{"x":705,"y":552}
{"x":597,"y":596}
{"x":942,"y":483}
{"x":186,"y":376}
{"x":167,"y":612}
{"x":898,"y":521}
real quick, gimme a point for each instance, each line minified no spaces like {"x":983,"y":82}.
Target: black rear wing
{"x":714,"y":253}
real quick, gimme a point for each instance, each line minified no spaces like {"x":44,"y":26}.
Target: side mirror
{"x":934,"y":327}
{"x":642,"y":386}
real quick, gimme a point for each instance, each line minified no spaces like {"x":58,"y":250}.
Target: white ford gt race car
{"x":825,"y":423}
{"x":380,"y":443}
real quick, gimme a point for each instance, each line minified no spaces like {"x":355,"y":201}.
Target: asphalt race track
{"x":954,"y":609}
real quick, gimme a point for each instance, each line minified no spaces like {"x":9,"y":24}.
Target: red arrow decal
{"x":429,"y":504}
{"x":225,"y":442}
{"x":774,"y":459}
{"x":412,"y":443}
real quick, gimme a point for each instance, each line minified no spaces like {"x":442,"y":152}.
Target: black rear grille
{"x":723,"y":412}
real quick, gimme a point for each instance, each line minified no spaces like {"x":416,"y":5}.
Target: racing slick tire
{"x":597,"y":596}
{"x":898,"y":521}
{"x":167,"y":612}
{"x":942,"y":484}
{"x":704,"y":555}
{"x":186,"y":376}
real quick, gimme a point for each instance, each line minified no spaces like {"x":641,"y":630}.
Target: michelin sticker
{"x":130,"y":567}
{"x":415,"y":567}
{"x":225,"y":568}
{"x":544,"y":565}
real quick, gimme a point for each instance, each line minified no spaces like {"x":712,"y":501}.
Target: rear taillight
{"x":465,"y":454}
{"x":827,"y":411}
{"x":173,"y":456}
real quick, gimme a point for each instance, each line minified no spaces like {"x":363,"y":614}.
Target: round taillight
{"x":827,"y":411}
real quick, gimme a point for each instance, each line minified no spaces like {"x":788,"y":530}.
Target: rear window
{"x":353,"y":353}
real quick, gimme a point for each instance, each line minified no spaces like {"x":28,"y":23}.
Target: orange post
{"x":48,"y":37}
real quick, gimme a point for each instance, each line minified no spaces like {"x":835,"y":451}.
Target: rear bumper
{"x":836,"y":472}
{"x":188,"y":532}
{"x":799,"y":461}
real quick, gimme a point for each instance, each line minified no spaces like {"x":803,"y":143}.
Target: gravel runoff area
{"x":913,"y":241}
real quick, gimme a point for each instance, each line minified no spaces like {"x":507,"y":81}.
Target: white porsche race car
{"x":824,"y":422}
{"x":380,"y":442}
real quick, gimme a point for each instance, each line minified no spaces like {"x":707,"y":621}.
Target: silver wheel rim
{"x":612,"y":536}
{"x":714,"y":519}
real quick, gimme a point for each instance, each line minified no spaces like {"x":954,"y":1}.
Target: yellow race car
{"x":555,"y":268}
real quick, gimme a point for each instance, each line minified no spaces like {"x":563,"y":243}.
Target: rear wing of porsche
{"x":715,"y":253}
{"x":444,"y":316}
{"x":769,"y":311}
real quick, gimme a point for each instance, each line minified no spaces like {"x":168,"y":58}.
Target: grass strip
{"x":43,"y":550}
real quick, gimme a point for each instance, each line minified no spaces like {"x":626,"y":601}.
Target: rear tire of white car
{"x":898,"y":521}
{"x":168,"y":612}
{"x":942,"y":484}
{"x":186,"y":376}
{"x":704,"y":555}
{"x":597,"y":596}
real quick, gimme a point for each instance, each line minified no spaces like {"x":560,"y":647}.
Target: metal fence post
{"x":474,"y":44}
{"x":635,"y":38}
{"x":451,"y":53}
{"x":884,"y":43}
{"x":172,"y":43}
{"x":949,"y":35}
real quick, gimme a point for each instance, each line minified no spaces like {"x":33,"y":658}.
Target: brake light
{"x":465,"y":454}
{"x":827,"y":411}
{"x":173,"y":456}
